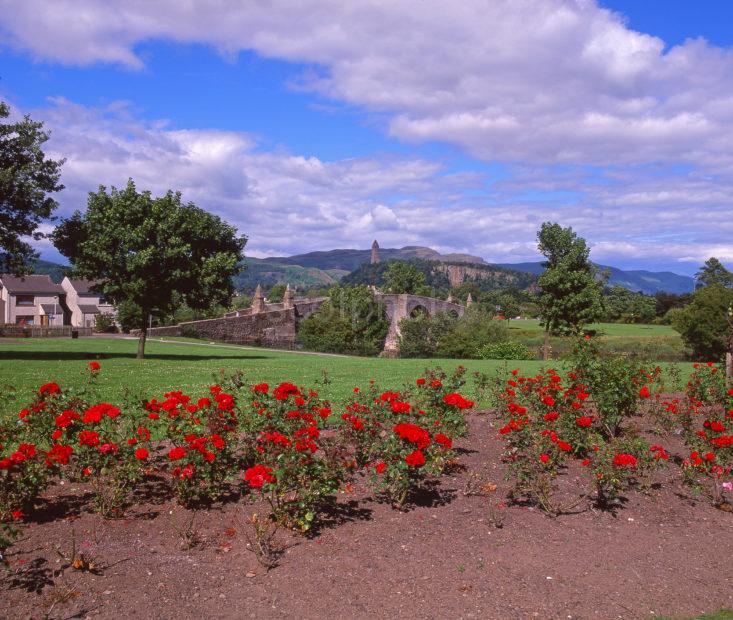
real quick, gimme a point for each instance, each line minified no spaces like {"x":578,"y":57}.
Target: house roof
{"x":38,"y":284}
{"x":89,"y":309}
{"x":83,"y":287}
{"x":52,"y":309}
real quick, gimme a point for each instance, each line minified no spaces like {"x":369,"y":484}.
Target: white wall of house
{"x":74,"y":300}
{"x":28,"y":307}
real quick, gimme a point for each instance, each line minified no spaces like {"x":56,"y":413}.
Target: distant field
{"x":658,"y":342}
{"x":191,"y":365}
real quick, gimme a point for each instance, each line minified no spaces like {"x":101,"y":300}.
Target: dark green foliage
{"x":713,"y":272}
{"x":350,"y":321}
{"x":268,"y":273}
{"x":104,"y":323}
{"x":420,"y":335}
{"x":446,"y":336}
{"x":276,"y":293}
{"x":402,"y":277}
{"x":26,"y":179}
{"x":508,"y":350}
{"x":668,"y":301}
{"x":623,"y":306}
{"x":705,"y":323}
{"x":571,"y":293}
{"x":151,"y":254}
{"x":489,"y":278}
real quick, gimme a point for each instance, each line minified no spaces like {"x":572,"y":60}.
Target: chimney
{"x":375,"y":252}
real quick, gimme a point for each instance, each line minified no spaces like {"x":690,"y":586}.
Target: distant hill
{"x":443,"y":275}
{"x":648,"y":282}
{"x":328,"y":267}
{"x":348,"y":260}
{"x":44,"y":267}
{"x":268,"y":272}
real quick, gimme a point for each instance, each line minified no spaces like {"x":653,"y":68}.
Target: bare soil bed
{"x":664,"y":552}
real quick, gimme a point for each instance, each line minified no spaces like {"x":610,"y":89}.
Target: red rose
{"x":644,"y":392}
{"x":258,"y":475}
{"x":624,"y":460}
{"x":564,"y":446}
{"x":548,"y":400}
{"x":551,"y":417}
{"x":88,"y":438}
{"x":420,"y":381}
{"x":380,"y":467}
{"x":263,"y":388}
{"x":544,"y":458}
{"x":444,"y":441}
{"x":414,"y":434}
{"x":584,"y":421}
{"x":176,"y":454}
{"x":49,"y":388}
{"x":415,"y":459}
{"x":456,"y":400}
{"x":94,"y":366}
{"x":400,"y":407}
{"x":141,"y":454}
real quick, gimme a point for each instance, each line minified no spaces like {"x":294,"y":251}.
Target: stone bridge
{"x":399,"y":307}
{"x":276,"y":325}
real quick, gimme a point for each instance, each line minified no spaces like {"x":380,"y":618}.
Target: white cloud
{"x":534,"y":81}
{"x":593,"y":118}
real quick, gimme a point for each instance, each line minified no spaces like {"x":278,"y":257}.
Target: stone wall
{"x":273,"y":328}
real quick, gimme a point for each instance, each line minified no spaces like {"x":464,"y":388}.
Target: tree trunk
{"x":729,"y":369}
{"x":546,"y":347}
{"x":141,"y":342}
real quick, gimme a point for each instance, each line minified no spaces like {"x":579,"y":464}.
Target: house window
{"x":24,"y":320}
{"x":25,"y":300}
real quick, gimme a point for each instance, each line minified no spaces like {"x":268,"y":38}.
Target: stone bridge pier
{"x":400,"y":307}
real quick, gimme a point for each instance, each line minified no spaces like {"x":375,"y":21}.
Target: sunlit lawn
{"x":191,"y":366}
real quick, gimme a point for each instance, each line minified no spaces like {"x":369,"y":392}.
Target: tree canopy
{"x":27,"y":176}
{"x":571,"y":292}
{"x":349,"y":321}
{"x":150,"y":254}
{"x":713,"y":272}
{"x":404,"y":277}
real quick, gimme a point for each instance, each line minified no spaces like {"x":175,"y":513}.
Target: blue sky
{"x":321,"y":126}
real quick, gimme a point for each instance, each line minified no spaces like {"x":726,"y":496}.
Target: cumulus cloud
{"x":592,"y":118}
{"x":535,"y":81}
{"x":287,"y":203}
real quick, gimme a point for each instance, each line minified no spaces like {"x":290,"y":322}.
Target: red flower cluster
{"x":456,"y":400}
{"x":624,"y":460}
{"x":414,"y":434}
{"x":258,"y":475}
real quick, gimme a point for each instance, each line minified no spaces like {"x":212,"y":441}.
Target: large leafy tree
{"x":26,"y":179}
{"x":351,"y":321}
{"x":404,"y":277}
{"x":713,"y":272}
{"x":706,"y":323}
{"x":151,"y":254}
{"x":571,"y":291}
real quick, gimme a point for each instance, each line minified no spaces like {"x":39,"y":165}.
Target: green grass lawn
{"x":26,"y":364}
{"x":187,"y":365}
{"x":659,"y":342}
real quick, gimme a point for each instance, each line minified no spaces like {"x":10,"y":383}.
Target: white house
{"x":84,"y":304}
{"x":30,"y":300}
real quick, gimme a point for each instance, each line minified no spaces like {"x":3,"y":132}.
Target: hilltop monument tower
{"x":375,"y":252}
